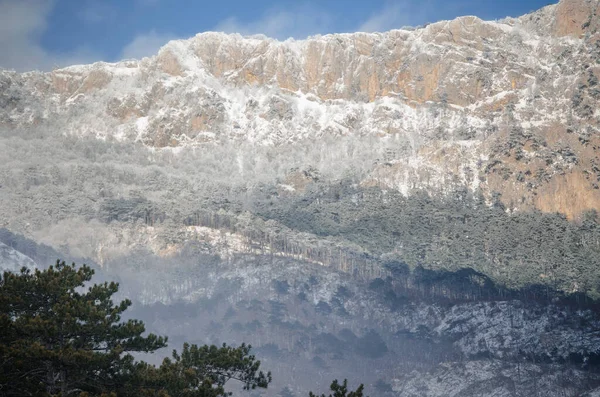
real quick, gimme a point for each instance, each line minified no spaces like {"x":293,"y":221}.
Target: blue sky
{"x":41,"y":34}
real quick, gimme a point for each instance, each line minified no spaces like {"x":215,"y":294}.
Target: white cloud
{"x":22,"y":22}
{"x":396,"y":15}
{"x":145,"y":45}
{"x":299,"y":22}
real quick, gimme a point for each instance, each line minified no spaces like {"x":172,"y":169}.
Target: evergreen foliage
{"x":60,"y":336}
{"x":341,"y":390}
{"x":199,"y":371}
{"x":116,"y":183}
{"x":450,"y":233}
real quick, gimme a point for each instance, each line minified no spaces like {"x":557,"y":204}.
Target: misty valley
{"x":416,"y":212}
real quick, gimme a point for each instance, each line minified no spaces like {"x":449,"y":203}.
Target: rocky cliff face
{"x":509,"y":107}
{"x":251,"y":190}
{"x":297,"y":262}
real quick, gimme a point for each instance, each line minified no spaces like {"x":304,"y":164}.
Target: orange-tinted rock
{"x":168,"y":63}
{"x":573,"y":15}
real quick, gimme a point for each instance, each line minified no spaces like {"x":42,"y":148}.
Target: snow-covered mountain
{"x":375,"y":205}
{"x":484,"y":104}
{"x":12,"y":260}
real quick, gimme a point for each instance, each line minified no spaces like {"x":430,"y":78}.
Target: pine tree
{"x":199,"y":371}
{"x":341,"y":390}
{"x":61,"y":336}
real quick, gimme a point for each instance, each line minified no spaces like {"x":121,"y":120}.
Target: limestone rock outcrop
{"x":509,"y":106}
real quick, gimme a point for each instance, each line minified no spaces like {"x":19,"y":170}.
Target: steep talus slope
{"x":465,"y":102}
